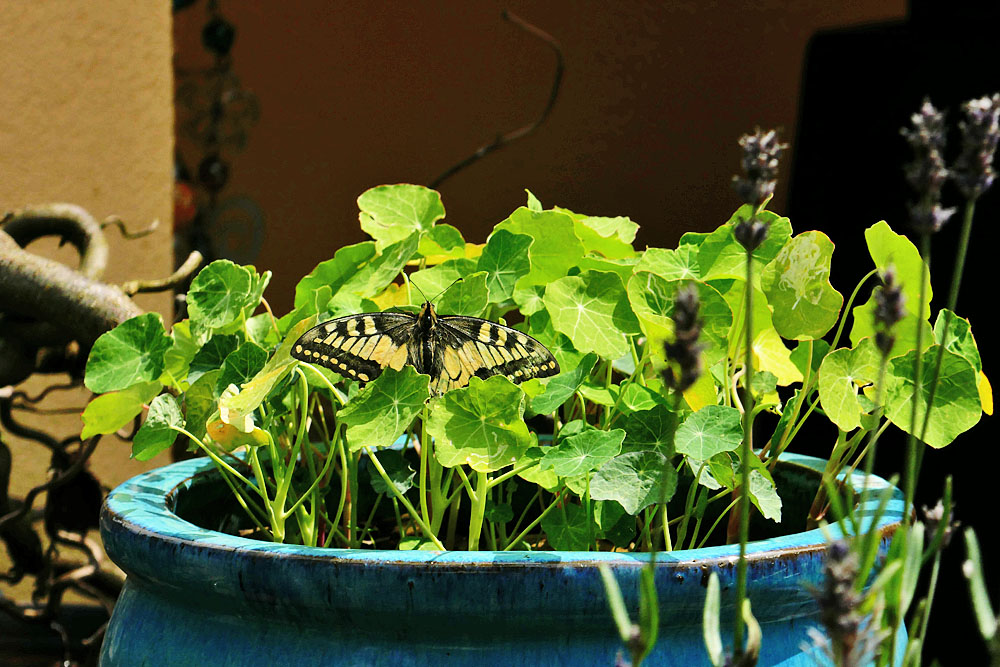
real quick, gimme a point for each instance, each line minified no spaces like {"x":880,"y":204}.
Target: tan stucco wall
{"x":86,"y":116}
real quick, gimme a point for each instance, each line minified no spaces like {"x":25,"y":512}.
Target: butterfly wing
{"x":470,"y":346}
{"x":359,"y":346}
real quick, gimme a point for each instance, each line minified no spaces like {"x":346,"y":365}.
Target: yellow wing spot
{"x":522,"y":339}
{"x":370,"y":329}
{"x":501,"y":336}
{"x":352,"y":328}
{"x":398,"y":358}
{"x":298,"y":349}
{"x":337,"y":341}
{"x":472,"y":352}
{"x":330,"y":327}
{"x":452,"y":363}
{"x":325,"y":358}
{"x":363,"y":377}
{"x":329,"y":339}
{"x":484,"y":332}
{"x":504,"y":353}
{"x":366,"y":350}
{"x":497,"y":357}
{"x":523,"y":351}
{"x":352,"y":371}
{"x":380,"y":355}
{"x":356,"y":346}
{"x":484,"y":352}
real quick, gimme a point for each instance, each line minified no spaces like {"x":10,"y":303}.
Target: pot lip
{"x":141,"y":506}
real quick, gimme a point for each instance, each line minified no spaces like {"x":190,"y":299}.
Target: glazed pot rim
{"x":143,"y":506}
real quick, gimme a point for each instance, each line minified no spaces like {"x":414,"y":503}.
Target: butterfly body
{"x":451,"y":349}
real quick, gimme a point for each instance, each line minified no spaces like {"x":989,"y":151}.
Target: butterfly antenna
{"x":457,"y":280}
{"x":419,"y":290}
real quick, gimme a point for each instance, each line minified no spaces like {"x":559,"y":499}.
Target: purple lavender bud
{"x":684,"y":352}
{"x":927,"y":173}
{"x":973,"y":170}
{"x":761,"y":154}
{"x":838,"y":601}
{"x":932,"y":519}
{"x":889,"y":301}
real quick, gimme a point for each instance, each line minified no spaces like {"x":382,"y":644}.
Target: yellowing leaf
{"x":985,"y":393}
{"x":229,"y":437}
{"x":701,"y":393}
{"x":393,"y":295}
{"x":771,"y":355}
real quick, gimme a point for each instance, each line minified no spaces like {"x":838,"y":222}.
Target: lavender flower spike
{"x":761,"y":157}
{"x":927,"y":173}
{"x":973,"y":170}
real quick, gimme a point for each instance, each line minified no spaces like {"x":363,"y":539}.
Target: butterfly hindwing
{"x":486,"y":348}
{"x":359,"y":346}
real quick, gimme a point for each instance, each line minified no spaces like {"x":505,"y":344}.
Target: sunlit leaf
{"x":131,"y":353}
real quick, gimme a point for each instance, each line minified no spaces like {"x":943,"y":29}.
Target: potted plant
{"x":461,"y":514}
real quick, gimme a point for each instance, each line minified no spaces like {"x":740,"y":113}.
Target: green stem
{"x":910,"y":481}
{"x":956,"y":281}
{"x":478,"y":509}
{"x":746,"y":453}
{"x":425,"y":454}
{"x":425,"y":529}
{"x":531,"y":526}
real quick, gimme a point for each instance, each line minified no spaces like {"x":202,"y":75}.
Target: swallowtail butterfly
{"x":451,"y":349}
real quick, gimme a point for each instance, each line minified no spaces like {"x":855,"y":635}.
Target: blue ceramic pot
{"x":198,"y":597}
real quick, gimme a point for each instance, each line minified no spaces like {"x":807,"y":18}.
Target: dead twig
{"x":185,"y":271}
{"x":115,"y":221}
{"x":504,"y":139}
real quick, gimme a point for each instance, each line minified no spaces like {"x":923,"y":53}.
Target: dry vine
{"x":50,"y":316}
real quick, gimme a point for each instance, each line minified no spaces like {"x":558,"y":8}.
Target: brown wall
{"x":86,"y":117}
{"x":653,"y":100}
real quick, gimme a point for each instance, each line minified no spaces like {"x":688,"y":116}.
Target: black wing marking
{"x":359,"y":346}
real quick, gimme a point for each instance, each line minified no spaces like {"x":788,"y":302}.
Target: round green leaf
{"x":568,"y":528}
{"x":705,"y":433}
{"x":468,"y":297}
{"x":650,"y":430}
{"x":593,"y":311}
{"x":385,"y":408}
{"x":556,"y":248}
{"x":391,"y":213}
{"x":635,"y":479}
{"x":131,"y":353}
{"x":956,"y":407}
{"x":480,"y":425}
{"x":505,"y":259}
{"x":219,"y":293}
{"x":158,"y":432}
{"x":797,"y":285}
{"x":584,"y":452}
{"x":109,"y":412}
{"x":840,"y":378}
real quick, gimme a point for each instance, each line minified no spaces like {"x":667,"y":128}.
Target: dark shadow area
{"x":860,"y":86}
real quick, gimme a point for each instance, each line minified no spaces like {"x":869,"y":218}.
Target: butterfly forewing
{"x":449,"y":349}
{"x":359,"y":346}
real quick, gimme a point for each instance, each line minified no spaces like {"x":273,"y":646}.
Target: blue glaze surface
{"x":194,"y":596}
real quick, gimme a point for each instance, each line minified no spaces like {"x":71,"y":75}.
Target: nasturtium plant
{"x":598,"y":456}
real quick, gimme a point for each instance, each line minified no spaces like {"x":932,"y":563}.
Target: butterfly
{"x":451,"y":349}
